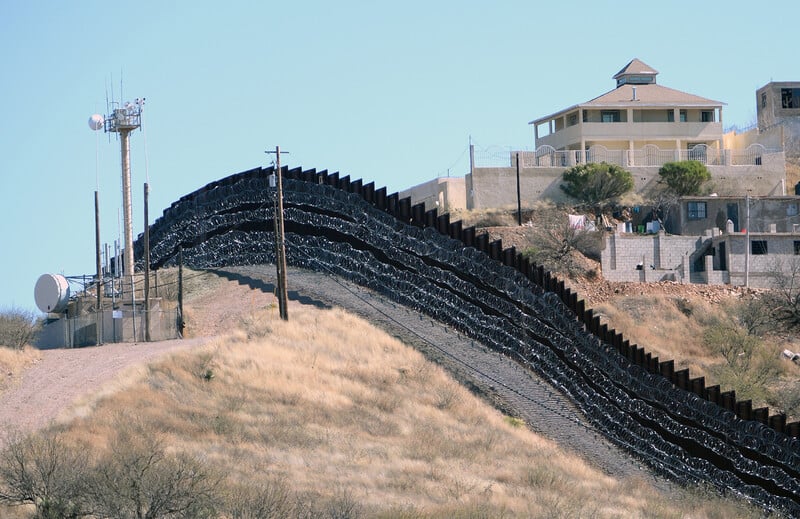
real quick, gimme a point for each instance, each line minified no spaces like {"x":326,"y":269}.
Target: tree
{"x":686,"y":177}
{"x":43,"y":470}
{"x":17,"y":328}
{"x":556,"y":242}
{"x":749,"y":366}
{"x":139,"y":479}
{"x":784,"y":299}
{"x":597,"y":184}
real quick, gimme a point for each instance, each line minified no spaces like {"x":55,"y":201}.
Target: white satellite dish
{"x":51,"y":293}
{"x":96,"y":122}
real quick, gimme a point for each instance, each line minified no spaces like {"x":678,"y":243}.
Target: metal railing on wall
{"x":648,"y":156}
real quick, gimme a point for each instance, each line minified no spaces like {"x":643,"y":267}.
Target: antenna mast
{"x":123,"y":121}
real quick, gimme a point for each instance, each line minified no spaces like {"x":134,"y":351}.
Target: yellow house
{"x":639,"y":123}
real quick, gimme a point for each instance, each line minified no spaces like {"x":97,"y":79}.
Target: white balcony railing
{"x":649,"y":155}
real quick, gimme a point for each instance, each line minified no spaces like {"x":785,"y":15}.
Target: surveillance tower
{"x":123,"y":121}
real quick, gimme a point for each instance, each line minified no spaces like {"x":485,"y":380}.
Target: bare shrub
{"x":46,"y":472}
{"x":755,"y":315}
{"x":18,"y":328}
{"x":749,"y":367}
{"x":487,"y":218}
{"x":340,"y":506}
{"x":785,"y":298}
{"x":137,"y":478}
{"x":268,"y":500}
{"x":787,"y":399}
{"x":556,"y":242}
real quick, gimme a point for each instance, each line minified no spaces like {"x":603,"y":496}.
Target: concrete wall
{"x":445,"y":194}
{"x":783,"y":212}
{"x":773,"y":114}
{"x":771,"y":138}
{"x":780,"y":252}
{"x":670,"y":255}
{"x":497,"y":187}
{"x":82,"y":331}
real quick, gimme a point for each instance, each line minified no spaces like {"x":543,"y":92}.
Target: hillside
{"x":332,"y":417}
{"x":674,"y":321}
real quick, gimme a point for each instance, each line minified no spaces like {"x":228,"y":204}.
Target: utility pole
{"x":99,"y":312}
{"x":280,"y":244}
{"x":146,"y":264}
{"x":519,"y":197}
{"x":747,"y":242}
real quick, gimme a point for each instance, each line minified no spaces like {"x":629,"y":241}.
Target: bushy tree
{"x":17,"y":328}
{"x":597,"y":184}
{"x":685,"y":177}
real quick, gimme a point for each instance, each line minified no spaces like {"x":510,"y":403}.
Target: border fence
{"x":672,"y":421}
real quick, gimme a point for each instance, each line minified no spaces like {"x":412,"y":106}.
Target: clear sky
{"x":385,"y":91}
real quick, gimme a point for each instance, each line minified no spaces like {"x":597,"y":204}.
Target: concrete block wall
{"x":780,"y":254}
{"x":491,"y":188}
{"x":670,"y":255}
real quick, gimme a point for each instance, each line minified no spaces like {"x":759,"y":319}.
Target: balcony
{"x":647,"y":156}
{"x":637,"y":131}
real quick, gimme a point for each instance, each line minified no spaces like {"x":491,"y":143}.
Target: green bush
{"x":597,"y":184}
{"x":686,"y":177}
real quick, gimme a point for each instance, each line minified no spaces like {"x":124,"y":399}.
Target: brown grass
{"x":334,"y":406}
{"x":667,"y":326}
{"x":13,"y":362}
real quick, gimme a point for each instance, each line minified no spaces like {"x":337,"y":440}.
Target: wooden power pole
{"x":99,"y":313}
{"x":146,"y":264}
{"x":280,"y":244}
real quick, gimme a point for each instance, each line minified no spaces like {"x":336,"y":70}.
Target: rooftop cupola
{"x":636,"y":73}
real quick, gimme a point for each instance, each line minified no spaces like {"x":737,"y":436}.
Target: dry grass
{"x":14,"y":362}
{"x":333,"y":406}
{"x":668,"y":326}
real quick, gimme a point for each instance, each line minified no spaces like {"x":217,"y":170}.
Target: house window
{"x":758,"y":247}
{"x":707,"y":116}
{"x":696,"y":210}
{"x":791,"y":210}
{"x":797,"y":248}
{"x":611,"y":116}
{"x":790,"y":97}
{"x":670,"y":116}
{"x":572,"y":120}
{"x":763,"y":99}
{"x":683,"y":116}
{"x":585,"y":115}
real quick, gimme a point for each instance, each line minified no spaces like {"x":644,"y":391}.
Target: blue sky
{"x":385,"y":91}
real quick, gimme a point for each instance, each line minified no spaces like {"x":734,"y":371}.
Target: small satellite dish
{"x":96,"y":122}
